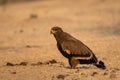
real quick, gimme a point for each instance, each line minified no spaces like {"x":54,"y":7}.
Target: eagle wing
{"x":77,"y":49}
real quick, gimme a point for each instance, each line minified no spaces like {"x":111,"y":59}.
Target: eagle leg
{"x":73,"y":62}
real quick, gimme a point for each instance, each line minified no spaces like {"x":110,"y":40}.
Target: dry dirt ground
{"x":29,"y":52}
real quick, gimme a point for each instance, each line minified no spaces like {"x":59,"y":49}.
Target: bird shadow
{"x":82,"y":67}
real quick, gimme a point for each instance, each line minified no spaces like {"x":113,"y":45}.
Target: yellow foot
{"x":73,"y":68}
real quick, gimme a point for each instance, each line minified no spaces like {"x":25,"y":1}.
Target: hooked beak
{"x":53,"y":32}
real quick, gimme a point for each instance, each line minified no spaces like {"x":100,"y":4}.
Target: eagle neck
{"x":60,"y":37}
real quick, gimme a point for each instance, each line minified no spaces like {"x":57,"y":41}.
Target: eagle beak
{"x":53,"y":32}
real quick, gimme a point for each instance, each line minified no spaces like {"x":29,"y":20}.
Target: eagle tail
{"x":100,"y":64}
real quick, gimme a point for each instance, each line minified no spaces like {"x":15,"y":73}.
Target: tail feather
{"x":101,"y":65}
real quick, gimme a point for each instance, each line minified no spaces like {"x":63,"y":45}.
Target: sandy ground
{"x":29,"y":52}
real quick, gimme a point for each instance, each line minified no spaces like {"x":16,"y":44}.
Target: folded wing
{"x":77,"y":49}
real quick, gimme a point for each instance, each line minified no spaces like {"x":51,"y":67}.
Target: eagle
{"x":74,"y":50}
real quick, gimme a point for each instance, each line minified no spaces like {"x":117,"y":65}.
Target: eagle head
{"x":55,"y":30}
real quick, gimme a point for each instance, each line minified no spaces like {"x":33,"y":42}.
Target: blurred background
{"x":26,"y":24}
{"x":25,"y":31}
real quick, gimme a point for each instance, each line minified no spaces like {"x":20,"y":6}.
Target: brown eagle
{"x":73,"y":49}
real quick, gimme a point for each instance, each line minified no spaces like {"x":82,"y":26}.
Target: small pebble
{"x":61,"y":76}
{"x":94,"y":73}
{"x":23,"y":63}
{"x":13,"y":72}
{"x":9,"y":64}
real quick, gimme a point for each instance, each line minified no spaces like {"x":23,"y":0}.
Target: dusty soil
{"x":29,"y":52}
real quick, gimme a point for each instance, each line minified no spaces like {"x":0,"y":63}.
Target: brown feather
{"x":73,"y":48}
